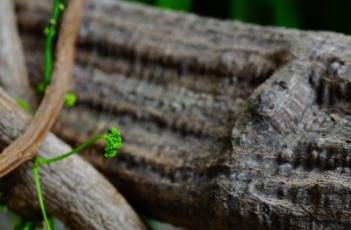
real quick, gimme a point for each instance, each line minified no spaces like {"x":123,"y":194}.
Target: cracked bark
{"x":231,"y":125}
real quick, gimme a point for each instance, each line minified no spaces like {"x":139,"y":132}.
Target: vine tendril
{"x":50,"y":32}
{"x":113,"y":142}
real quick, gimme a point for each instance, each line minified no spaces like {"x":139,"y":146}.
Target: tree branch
{"x":27,"y":145}
{"x":73,"y":190}
{"x":13,"y":72}
{"x":232,"y":125}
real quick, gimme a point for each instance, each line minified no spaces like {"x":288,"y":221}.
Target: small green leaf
{"x":25,"y":225}
{"x":24,"y":106}
{"x":113,"y":142}
{"x":70,"y":100}
{"x":41,"y":86}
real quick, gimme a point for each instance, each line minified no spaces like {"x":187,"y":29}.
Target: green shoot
{"x":50,"y":32}
{"x":38,"y":188}
{"x":113,"y":142}
{"x":81,"y":147}
{"x":70,"y":100}
{"x":25,"y":225}
{"x":24,"y":106}
{"x":52,"y":223}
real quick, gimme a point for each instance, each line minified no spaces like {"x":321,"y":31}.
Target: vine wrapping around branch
{"x":113,"y":142}
{"x":26,"y":146}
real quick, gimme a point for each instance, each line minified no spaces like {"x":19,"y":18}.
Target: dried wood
{"x":70,"y":187}
{"x":73,"y":190}
{"x":226,"y":125}
{"x":13,"y":72}
{"x":26,"y":146}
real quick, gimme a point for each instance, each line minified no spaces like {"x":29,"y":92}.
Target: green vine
{"x":113,"y":142}
{"x":113,"y":139}
{"x":50,"y":33}
{"x":25,"y":225}
{"x":24,"y":106}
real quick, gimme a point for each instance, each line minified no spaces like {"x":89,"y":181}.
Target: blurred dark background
{"x":331,"y":15}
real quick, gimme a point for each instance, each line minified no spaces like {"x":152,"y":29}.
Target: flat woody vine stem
{"x":101,"y":207}
{"x":26,"y":146}
{"x":291,"y":141}
{"x":62,"y":196}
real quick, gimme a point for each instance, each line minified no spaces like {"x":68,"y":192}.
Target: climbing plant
{"x":112,"y":139}
{"x":113,"y":143}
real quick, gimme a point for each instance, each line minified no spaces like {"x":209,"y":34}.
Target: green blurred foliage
{"x":303,"y":14}
{"x":270,"y":12}
{"x":181,"y":5}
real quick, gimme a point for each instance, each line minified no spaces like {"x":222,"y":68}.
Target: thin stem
{"x":39,"y":161}
{"x":26,"y":146}
{"x":50,"y":32}
{"x":113,"y":142}
{"x":48,"y":60}
{"x":25,"y":225}
{"x":38,"y":188}
{"x":86,"y":144}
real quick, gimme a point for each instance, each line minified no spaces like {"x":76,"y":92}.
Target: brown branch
{"x":26,"y":146}
{"x":176,"y":84}
{"x":70,"y":187}
{"x":73,"y":190}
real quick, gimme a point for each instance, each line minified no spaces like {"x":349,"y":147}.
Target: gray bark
{"x":226,"y":125}
{"x":13,"y":72}
{"x":73,"y":190}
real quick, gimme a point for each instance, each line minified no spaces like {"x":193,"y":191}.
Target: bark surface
{"x":73,"y":190}
{"x":13,"y":74}
{"x":226,"y":125}
{"x":26,"y":146}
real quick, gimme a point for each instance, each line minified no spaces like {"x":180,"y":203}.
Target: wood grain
{"x":73,"y":190}
{"x":26,"y":146}
{"x":226,"y":125}
{"x":13,"y":72}
{"x":70,"y":187}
